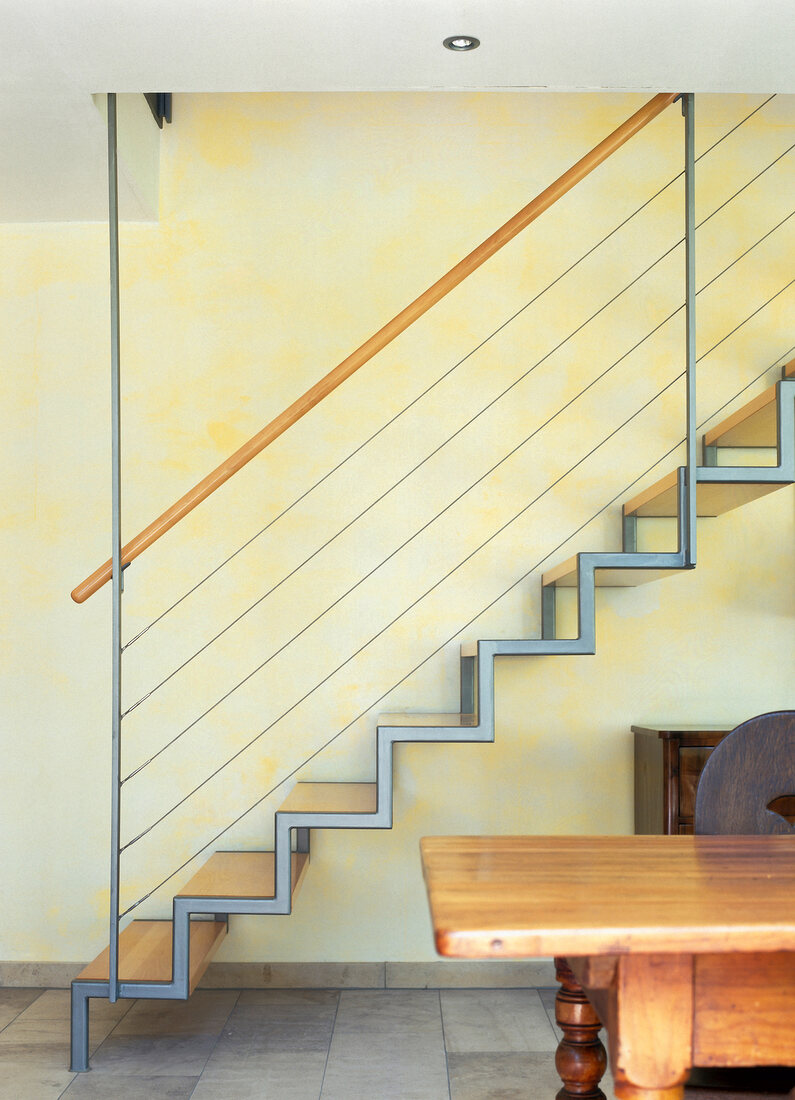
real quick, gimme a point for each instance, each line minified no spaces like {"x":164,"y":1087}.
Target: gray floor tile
{"x":377,"y":1074}
{"x":507,"y":1076}
{"x":53,"y":1007}
{"x":14,"y":1001}
{"x":166,"y":1038}
{"x":387,"y":1045}
{"x":32,"y":1082}
{"x":245,"y":1037}
{"x":287,"y":999}
{"x":469,"y":974}
{"x":366,"y":1012}
{"x":270,"y":1076}
{"x":147,"y":1055}
{"x":51,"y":1055}
{"x":267,"y":1022}
{"x":90,"y":1086}
{"x":204,"y":1014}
{"x":481,"y":1020}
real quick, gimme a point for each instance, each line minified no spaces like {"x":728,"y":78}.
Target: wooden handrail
{"x":375,"y":344}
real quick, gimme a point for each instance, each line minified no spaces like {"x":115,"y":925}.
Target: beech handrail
{"x":377,"y":342}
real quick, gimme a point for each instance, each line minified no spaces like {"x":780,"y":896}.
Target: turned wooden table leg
{"x":580,"y":1058}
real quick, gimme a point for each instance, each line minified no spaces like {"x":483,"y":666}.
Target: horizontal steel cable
{"x":433,"y":385}
{"x":293,"y":706}
{"x":465,"y":626}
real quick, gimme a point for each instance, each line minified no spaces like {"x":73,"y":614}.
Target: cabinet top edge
{"x":671,"y":730}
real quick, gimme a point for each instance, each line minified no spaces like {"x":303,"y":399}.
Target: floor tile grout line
{"x":217,"y":1039}
{"x":330,"y":1041}
{"x":545,"y":1010}
{"x":62,"y":1094}
{"x":25,"y":1009}
{"x":551,"y":1016}
{"x":444,"y":1046}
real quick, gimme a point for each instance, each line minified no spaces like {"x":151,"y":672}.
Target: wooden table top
{"x":524,"y":896}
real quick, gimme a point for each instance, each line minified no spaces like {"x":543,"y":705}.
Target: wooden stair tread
{"x":565,"y":576}
{"x":332,"y":798}
{"x":559,"y":574}
{"x":432,"y":720}
{"x":661,"y":493}
{"x":145,"y":952}
{"x":713,"y":498}
{"x":754,"y":425}
{"x":241,"y":875}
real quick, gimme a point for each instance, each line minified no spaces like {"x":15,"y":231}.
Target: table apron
{"x":744,"y":1009}
{"x":666,"y":1012}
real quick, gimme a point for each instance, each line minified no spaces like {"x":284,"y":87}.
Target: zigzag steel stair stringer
{"x":475,"y":723}
{"x":369,"y":805}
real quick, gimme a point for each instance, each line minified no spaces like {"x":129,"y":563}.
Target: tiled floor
{"x":483,"y":1044}
{"x":370,"y":1044}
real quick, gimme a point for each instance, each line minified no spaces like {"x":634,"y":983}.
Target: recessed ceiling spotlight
{"x":460,"y":43}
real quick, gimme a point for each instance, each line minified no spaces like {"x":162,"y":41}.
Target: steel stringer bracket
{"x":160,"y":106}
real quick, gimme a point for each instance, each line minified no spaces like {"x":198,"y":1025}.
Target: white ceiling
{"x":55,"y":53}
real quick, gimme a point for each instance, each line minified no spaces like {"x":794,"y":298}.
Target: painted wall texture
{"x":414,"y":510}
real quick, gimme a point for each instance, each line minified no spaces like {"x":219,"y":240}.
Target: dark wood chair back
{"x":750,"y":771}
{"x":752,"y":768}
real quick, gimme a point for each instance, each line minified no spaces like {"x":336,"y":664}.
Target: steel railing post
{"x":690,"y":323}
{"x":113,"y":224}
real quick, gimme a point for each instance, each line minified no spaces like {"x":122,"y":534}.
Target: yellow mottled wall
{"x":292,"y":227}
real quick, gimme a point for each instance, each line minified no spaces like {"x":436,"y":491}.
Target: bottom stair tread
{"x":145,"y":952}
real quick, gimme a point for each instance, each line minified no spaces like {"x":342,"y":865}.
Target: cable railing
{"x":523,"y":511}
{"x":475,"y":259}
{"x":466,"y":626}
{"x":417,"y":466}
{"x":447,"y":374}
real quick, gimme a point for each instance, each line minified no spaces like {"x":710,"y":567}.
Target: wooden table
{"x":684,"y":946}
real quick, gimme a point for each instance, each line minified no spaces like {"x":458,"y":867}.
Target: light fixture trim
{"x":461,"y":43}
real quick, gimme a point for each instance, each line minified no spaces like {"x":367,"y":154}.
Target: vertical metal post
{"x":113,"y":223}
{"x":690,"y":322}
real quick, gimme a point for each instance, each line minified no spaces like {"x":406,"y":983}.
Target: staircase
{"x":166,"y":959}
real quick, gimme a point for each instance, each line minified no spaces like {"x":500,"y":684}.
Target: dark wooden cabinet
{"x":668,"y":763}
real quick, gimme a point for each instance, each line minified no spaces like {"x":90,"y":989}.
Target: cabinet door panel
{"x":692,"y":759}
